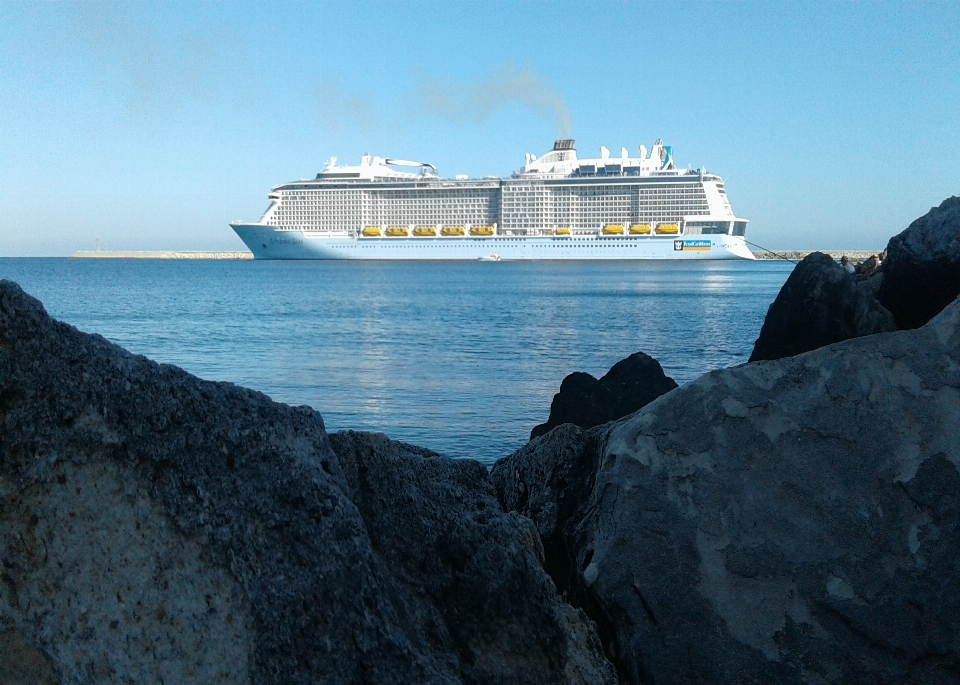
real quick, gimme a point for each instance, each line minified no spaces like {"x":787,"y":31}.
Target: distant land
{"x":792,"y":255}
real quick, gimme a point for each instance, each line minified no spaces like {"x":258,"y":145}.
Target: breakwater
{"x":797,"y":255}
{"x":146,"y":254}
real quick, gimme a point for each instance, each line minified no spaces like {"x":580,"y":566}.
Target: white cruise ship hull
{"x":271,"y":242}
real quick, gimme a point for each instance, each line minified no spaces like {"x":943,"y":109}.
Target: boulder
{"x":922,"y":267}
{"x":437,"y":525}
{"x":789,"y":521}
{"x":820,"y":304}
{"x":158,"y":527}
{"x":587,"y":402}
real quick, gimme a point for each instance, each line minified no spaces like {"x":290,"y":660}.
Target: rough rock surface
{"x":922,"y":268}
{"x":819,"y":305}
{"x":584,"y":401}
{"x":437,"y":524}
{"x":155,"y":527}
{"x":789,"y":521}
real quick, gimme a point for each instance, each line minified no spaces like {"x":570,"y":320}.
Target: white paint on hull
{"x":269,"y":242}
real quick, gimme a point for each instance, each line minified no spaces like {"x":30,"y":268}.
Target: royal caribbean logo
{"x":688,"y":245}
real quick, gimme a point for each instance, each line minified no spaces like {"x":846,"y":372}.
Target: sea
{"x":460,"y":357}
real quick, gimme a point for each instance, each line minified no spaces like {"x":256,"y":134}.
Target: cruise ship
{"x":557,"y":206}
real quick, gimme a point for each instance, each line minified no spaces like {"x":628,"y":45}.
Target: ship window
{"x":707,"y":227}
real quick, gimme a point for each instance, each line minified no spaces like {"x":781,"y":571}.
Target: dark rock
{"x":793,"y":521}
{"x":922,"y":268}
{"x":485,"y":599}
{"x":155,"y":526}
{"x":819,"y":305}
{"x":584,"y":401}
{"x":563,"y":467}
{"x":22,"y":663}
{"x":866,"y":268}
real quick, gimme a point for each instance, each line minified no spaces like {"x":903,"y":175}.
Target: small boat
{"x":396,"y":231}
{"x":613,"y":229}
{"x":371,"y":231}
{"x":667,"y":229}
{"x":422,"y":231}
{"x":452,"y":230}
{"x":639,"y":229}
{"x":563,"y":230}
{"x":481,"y":230}
{"x":490,"y":258}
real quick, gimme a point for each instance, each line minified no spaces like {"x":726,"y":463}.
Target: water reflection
{"x":463,"y":358}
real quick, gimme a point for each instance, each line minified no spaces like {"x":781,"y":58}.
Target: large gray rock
{"x":793,"y":521}
{"x":584,"y":401}
{"x":155,"y":527}
{"x":820,"y":304}
{"x":922,"y":268}
{"x":438,"y":526}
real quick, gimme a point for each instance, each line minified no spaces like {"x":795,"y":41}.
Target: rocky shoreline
{"x":794,"y":519}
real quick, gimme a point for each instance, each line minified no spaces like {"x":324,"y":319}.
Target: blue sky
{"x":152,"y":125}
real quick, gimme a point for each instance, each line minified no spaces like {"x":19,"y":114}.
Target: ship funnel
{"x":563,"y":145}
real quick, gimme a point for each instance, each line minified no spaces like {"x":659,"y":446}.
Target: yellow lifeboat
{"x":639,"y":229}
{"x":423,"y":231}
{"x":481,"y":230}
{"x":396,"y":231}
{"x":563,"y":230}
{"x":667,"y":229}
{"x":613,"y":229}
{"x":452,"y":230}
{"x":371,"y":231}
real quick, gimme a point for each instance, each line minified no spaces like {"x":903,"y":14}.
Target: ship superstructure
{"x":556,"y":207}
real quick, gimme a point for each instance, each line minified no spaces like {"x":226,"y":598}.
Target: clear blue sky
{"x":151,"y":126}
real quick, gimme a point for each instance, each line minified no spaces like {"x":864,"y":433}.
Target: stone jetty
{"x":158,"y":254}
{"x":797,"y":255}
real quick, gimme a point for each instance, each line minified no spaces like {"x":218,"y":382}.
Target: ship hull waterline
{"x":270,"y":242}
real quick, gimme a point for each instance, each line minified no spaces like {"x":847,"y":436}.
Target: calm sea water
{"x":463,"y":358}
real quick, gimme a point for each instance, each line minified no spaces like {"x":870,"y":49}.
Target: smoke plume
{"x":447,"y":100}
{"x":158,"y":74}
{"x":339,"y":107}
{"x":474,"y":102}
